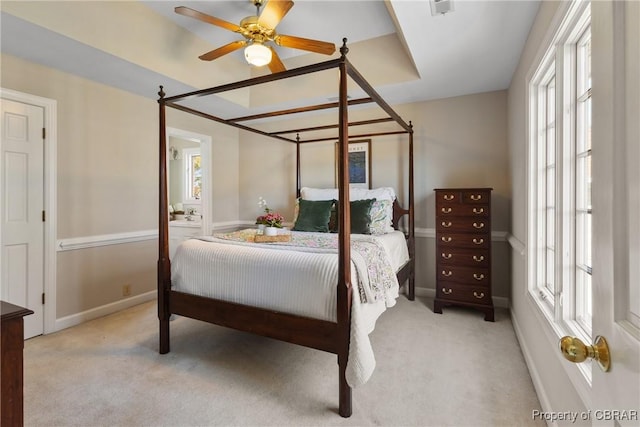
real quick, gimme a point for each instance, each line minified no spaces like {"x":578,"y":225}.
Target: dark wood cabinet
{"x":463,"y":249}
{"x":12,"y":344}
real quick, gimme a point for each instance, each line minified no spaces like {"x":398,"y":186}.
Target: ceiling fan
{"x":257,"y":31}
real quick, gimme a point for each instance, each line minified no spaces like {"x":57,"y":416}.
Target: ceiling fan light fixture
{"x":257,"y":54}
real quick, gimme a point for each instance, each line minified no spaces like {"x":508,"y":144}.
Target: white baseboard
{"x":533,"y":372}
{"x":94,"y":313}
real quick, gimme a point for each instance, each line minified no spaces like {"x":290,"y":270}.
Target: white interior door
{"x":22,"y":205}
{"x":616,"y":207}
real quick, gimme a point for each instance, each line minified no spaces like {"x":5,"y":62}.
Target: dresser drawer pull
{"x":478,"y":210}
{"x":478,"y":295}
{"x":446,"y":256}
{"x":476,"y":197}
{"x":446,"y":239}
{"x":478,"y":226}
{"x":446,"y":224}
{"x":449,"y":197}
{"x":446,"y":210}
{"x":477,"y":276}
{"x":478,"y":258}
{"x":478,"y":241}
{"x":446,"y":273}
{"x":446,"y":291}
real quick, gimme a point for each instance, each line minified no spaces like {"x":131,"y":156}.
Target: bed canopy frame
{"x":323,"y":335}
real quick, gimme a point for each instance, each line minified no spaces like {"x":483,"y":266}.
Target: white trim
{"x":72,"y":244}
{"x":538,"y":384}
{"x":516,"y":244}
{"x":85,"y":242}
{"x":94,"y":313}
{"x":50,"y":107}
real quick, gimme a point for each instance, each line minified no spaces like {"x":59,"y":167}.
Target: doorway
{"x":182,"y":145}
{"x":27,"y":212}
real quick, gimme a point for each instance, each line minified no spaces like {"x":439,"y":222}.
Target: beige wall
{"x":107,"y":180}
{"x":459,"y":142}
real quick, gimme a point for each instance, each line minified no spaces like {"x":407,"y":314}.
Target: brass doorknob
{"x":574,"y":350}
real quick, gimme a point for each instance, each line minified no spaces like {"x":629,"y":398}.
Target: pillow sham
{"x":381,"y":217}
{"x":313,"y":215}
{"x":382,"y":210}
{"x":360,"y":216}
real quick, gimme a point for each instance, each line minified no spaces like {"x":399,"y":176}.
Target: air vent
{"x":440,"y":7}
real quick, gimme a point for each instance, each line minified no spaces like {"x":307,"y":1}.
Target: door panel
{"x":22,"y":183}
{"x":616,"y":207}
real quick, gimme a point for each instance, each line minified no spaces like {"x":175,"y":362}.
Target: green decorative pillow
{"x":360,"y":216}
{"x":313,"y":215}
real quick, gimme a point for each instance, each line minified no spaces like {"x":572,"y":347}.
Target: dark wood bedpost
{"x":298,"y":180}
{"x":344,"y":239}
{"x":411,"y":240}
{"x":164,"y":264}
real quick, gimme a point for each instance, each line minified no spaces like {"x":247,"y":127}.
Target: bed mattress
{"x":297,"y":277}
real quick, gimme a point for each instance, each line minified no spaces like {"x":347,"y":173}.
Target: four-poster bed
{"x":328,"y":335}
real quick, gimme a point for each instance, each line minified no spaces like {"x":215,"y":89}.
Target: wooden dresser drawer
{"x":463,"y":257}
{"x":475,"y":196}
{"x":448,"y":196}
{"x":462,"y":224}
{"x":446,"y":210}
{"x":468,"y":275}
{"x":463,"y":293}
{"x":463,"y":240}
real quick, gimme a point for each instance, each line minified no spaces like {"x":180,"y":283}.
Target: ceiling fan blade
{"x":228,"y":48}
{"x":187,"y":11}
{"x":276,"y":64}
{"x":317,"y":46}
{"x":273,"y":13}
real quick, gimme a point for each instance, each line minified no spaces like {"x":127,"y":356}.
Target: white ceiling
{"x":473,"y":49}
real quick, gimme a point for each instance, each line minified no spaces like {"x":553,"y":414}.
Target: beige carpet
{"x":432,"y":370}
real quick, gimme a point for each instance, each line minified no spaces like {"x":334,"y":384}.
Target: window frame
{"x":557,"y":59}
{"x":188,"y":154}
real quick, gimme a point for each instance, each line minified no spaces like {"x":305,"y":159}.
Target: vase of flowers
{"x":270,"y":221}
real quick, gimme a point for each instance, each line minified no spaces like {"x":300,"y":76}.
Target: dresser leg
{"x":488,"y":315}
{"x":437,"y":307}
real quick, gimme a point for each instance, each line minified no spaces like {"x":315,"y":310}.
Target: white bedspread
{"x":295,"y":280}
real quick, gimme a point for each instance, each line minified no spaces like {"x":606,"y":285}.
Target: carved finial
{"x":344,"y":49}
{"x":298,"y":137}
{"x":410,"y":124}
{"x":161,"y":94}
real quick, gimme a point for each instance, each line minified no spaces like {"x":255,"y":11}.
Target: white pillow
{"x":382,"y":193}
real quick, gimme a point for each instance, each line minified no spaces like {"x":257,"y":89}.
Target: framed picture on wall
{"x":359,"y":164}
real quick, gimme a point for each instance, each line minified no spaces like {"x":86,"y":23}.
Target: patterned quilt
{"x":375,"y":273}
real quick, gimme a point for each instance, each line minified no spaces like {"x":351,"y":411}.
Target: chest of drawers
{"x":463,"y":249}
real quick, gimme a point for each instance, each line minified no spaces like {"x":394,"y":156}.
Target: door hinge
{"x":44,"y":216}
{"x":44,"y":133}
{"x":43,"y":298}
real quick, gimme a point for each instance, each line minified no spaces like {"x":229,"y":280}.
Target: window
{"x":193,"y":174}
{"x":560,"y":177}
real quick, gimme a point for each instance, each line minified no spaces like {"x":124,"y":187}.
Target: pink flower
{"x":270,"y":219}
